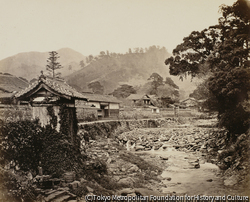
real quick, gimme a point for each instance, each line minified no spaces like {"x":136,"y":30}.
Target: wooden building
{"x":142,"y":99}
{"x":48,"y":92}
{"x":106,"y":105}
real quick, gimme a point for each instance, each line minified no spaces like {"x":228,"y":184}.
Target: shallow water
{"x":180,"y":177}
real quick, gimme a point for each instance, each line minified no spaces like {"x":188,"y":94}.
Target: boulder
{"x":90,"y":190}
{"x":228,"y":159}
{"x":232,"y":180}
{"x":139,"y":148}
{"x":125,"y":192}
{"x":133,"y":169}
{"x":165,"y":158}
{"x":74,"y":185}
{"x":128,"y":181}
{"x":146,"y":192}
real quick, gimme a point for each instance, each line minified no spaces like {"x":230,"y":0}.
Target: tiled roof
{"x":59,"y":86}
{"x":101,"y":98}
{"x":135,"y":96}
{"x":140,"y":96}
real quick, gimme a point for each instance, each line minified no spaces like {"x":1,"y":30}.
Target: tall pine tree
{"x":53,"y":64}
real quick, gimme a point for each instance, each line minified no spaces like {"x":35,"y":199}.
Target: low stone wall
{"x":116,"y":127}
{"x":15,"y":113}
{"x":86,"y":114}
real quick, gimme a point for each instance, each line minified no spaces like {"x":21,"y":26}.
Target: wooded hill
{"x":113,"y":69}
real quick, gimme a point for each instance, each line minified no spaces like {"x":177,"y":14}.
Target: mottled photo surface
{"x":108,"y":100}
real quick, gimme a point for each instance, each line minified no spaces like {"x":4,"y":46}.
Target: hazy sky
{"x":91,"y":26}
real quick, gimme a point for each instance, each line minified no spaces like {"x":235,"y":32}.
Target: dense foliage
{"x":223,"y":51}
{"x":124,"y":91}
{"x":208,"y":99}
{"x":21,"y":144}
{"x":25,"y":143}
{"x":96,"y":87}
{"x":68,"y":123}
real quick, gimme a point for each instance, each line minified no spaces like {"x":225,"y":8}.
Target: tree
{"x":137,"y":50}
{"x":82,"y":64}
{"x":96,"y":87}
{"x":203,"y":93}
{"x":91,"y":57}
{"x":170,"y":82}
{"x":53,"y":65}
{"x":157,"y":81}
{"x":223,"y":50}
{"x":124,"y":91}
{"x":102,"y":54}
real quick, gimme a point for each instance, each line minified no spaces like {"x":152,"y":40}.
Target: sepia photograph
{"x":124,"y":100}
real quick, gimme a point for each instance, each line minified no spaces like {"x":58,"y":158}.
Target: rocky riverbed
{"x":151,"y":157}
{"x":177,"y":159}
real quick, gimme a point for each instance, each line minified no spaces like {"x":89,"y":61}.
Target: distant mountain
{"x":110,"y":69}
{"x":29,"y":65}
{"x":12,"y":84}
{"x":113,"y":69}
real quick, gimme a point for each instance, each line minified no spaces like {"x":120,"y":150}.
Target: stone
{"x":232,"y":180}
{"x":116,"y":178}
{"x":75,"y":185}
{"x":139,"y":147}
{"x":164,"y":158}
{"x":69,"y":176}
{"x":146,"y":192}
{"x":228,"y":159}
{"x":128,"y":181}
{"x":197,"y":165}
{"x":62,"y":198}
{"x":133,"y":169}
{"x":159,"y":177}
{"x":125,"y":192}
{"x":54,"y":195}
{"x":220,"y":151}
{"x":82,"y":180}
{"x":123,"y":169}
{"x":89,"y":189}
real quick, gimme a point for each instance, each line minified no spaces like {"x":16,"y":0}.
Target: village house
{"x":143,"y":99}
{"x":106,"y":105}
{"x":189,"y":103}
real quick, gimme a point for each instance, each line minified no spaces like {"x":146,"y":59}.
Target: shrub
{"x":21,"y":143}
{"x":26,"y":144}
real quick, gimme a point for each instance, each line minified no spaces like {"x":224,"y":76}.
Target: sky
{"x":91,"y":26}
